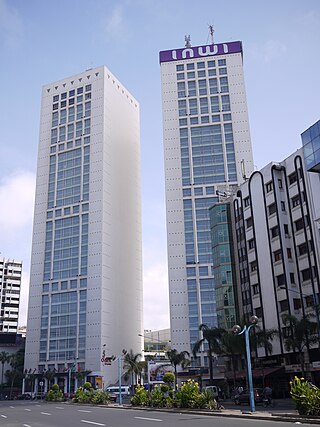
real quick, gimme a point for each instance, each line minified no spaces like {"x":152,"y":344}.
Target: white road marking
{"x":12,"y":407}
{"x":45,"y":413}
{"x":92,"y":422}
{"x":26,"y":425}
{"x":27,"y":409}
{"x":39,"y":406}
{"x":4,"y":416}
{"x":83,"y":410}
{"x":59,"y":407}
{"x":148,"y":419}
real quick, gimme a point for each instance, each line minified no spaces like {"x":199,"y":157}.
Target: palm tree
{"x":213,"y":337}
{"x":131,"y":360}
{"x":16,"y":361}
{"x":178,"y":358}
{"x":4,"y":358}
{"x":233,"y":346}
{"x":301,"y":337}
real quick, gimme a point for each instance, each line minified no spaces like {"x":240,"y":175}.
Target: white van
{"x":213,"y":389}
{"x":125,"y":390}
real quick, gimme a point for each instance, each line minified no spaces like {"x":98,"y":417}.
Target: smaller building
{"x":10,"y":287}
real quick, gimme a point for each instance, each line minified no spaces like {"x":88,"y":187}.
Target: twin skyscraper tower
{"x":86,"y":268}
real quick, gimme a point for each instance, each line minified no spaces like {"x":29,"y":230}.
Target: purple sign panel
{"x":200,"y":51}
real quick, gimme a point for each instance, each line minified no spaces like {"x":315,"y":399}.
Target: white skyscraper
{"x":10,"y":287}
{"x":86,"y":267}
{"x":207,"y":151}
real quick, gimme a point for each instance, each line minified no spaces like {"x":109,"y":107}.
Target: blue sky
{"x":42,"y":41}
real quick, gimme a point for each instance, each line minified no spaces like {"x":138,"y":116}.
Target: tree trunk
{"x":210,"y":367}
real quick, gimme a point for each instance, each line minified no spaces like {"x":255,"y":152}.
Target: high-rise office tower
{"x":86,"y":268}
{"x":207,"y":152}
{"x":10,"y":286}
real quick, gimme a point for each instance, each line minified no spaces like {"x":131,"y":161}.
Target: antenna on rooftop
{"x":187,"y":40}
{"x":211,"y":32}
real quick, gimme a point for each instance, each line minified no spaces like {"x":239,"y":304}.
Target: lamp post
{"x":238,"y":331}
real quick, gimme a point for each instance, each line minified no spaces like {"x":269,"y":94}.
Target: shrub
{"x":89,"y":395}
{"x":169,"y":378}
{"x":189,"y":395}
{"x":141,"y":397}
{"x":306,"y":396}
{"x":158,"y":399}
{"x":54,"y":394}
{"x":87,"y":385}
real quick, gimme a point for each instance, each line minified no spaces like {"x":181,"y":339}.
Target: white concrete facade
{"x":281,"y":231}
{"x":10,"y":288}
{"x":176,"y":68}
{"x":110,"y":263}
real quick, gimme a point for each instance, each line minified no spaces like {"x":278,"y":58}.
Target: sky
{"x":42,"y":41}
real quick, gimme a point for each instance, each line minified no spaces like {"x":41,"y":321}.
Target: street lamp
{"x":238,"y":331}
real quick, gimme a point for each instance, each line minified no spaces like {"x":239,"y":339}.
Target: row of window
{"x":71,"y":114}
{"x":201,"y":65}
{"x":72,"y":93}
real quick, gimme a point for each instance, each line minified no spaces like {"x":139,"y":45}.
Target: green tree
{"x":211,"y":336}
{"x":302,"y":334}
{"x":178,"y":359}
{"x":16,"y":361}
{"x":131,"y":361}
{"x":232,"y":346}
{"x":4,"y":358}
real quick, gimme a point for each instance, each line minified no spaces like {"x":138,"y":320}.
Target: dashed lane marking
{"x":92,"y":422}
{"x":148,"y":419}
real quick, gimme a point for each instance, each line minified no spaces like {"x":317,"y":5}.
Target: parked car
{"x":24,"y":396}
{"x":244,"y":397}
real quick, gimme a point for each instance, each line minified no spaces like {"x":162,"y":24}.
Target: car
{"x":244,"y":397}
{"x":112,"y":397}
{"x":24,"y":396}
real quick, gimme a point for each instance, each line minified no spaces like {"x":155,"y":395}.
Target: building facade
{"x":276,"y":218}
{"x":10,"y":288}
{"x":86,"y":266}
{"x":207,"y":149}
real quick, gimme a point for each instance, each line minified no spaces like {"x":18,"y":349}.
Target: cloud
{"x":11,"y":27}
{"x":113,"y":24}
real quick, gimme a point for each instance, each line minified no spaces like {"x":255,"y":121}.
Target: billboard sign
{"x":200,"y":51}
{"x":156,"y":371}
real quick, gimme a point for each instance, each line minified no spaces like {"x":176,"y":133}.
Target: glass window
{"x":186,"y":192}
{"x":191,"y":75}
{"x":180,"y":67}
{"x":211,"y":64}
{"x":45,"y":287}
{"x":191,"y":271}
{"x":56,"y":98}
{"x":79,"y":98}
{"x":194,"y":120}
{"x":227,"y":117}
{"x":79,"y":90}
{"x":198,"y":191}
{"x":183,"y":122}
{"x":205,"y":119}
{"x":201,"y":73}
{"x":72,"y":93}
{"x":64,"y":285}
{"x":88,"y":88}
{"x":190,"y":66}
{"x":221,"y":62}
{"x":212,"y":73}
{"x":192,"y":88}
{"x":63,"y":104}
{"x":55,"y":106}
{"x":180,"y":76}
{"x":222,"y":71}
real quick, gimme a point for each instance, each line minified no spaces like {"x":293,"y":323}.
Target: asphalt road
{"x":41,"y":414}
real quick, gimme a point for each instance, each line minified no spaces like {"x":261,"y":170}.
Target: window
{"x":222,"y":71}
{"x":79,"y":90}
{"x":225,"y":102}
{"x":269,"y":186}
{"x":292,"y":178}
{"x":272,"y":208}
{"x":198,"y":191}
{"x":306,"y":274}
{"x":292,"y":279}
{"x":255,"y":289}
{"x":200,"y":65}
{"x":295,"y":201}
{"x":222,"y":62}
{"x":186,"y":192}
{"x":180,"y":76}
{"x":63,"y":104}
{"x":64,"y":95}
{"x":183,"y":122}
{"x":254,"y":266}
{"x":289,"y":253}
{"x":201,"y":73}
{"x":280,"y":183}
{"x":246,"y":202}
{"x":88,"y":88}
{"x":251,"y":244}
{"x":211,"y":64}
{"x":180,"y":67}
{"x":190,"y":66}
{"x":284,"y":305}
{"x":286,"y":229}
{"x":191,"y":271}
{"x":71,"y":93}
{"x":303,"y":249}
{"x":296,"y":303}
{"x":299,"y":224}
{"x":277,"y":255}
{"x":280,"y":280}
{"x":249,"y":222}
{"x":283,"y":206}
{"x":191,"y":75}
{"x":258,"y":312}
